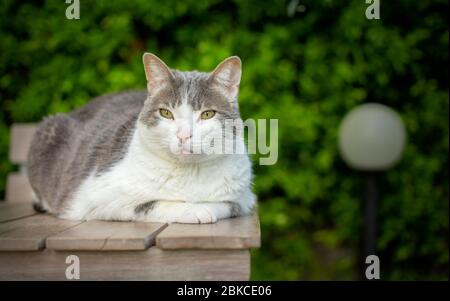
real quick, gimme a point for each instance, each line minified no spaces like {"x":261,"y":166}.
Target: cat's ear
{"x":227,"y":76}
{"x":157,"y":73}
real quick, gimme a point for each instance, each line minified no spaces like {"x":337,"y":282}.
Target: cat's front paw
{"x":198,"y":214}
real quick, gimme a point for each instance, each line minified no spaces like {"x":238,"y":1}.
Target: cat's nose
{"x":183,"y":136}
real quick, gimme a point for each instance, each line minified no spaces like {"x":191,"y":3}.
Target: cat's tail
{"x":38,"y":205}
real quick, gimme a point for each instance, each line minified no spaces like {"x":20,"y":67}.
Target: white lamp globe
{"x":372,"y":137}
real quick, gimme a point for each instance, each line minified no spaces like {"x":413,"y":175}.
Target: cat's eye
{"x":166,"y":113}
{"x":207,"y":114}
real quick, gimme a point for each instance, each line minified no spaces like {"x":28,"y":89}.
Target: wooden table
{"x":35,"y":246}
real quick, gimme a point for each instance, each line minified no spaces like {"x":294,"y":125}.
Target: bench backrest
{"x":18,"y":188}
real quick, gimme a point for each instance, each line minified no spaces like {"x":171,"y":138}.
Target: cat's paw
{"x":198,"y":214}
{"x":205,"y":215}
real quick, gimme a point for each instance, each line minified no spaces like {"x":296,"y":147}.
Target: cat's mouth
{"x":188,"y":155}
{"x":186,"y":151}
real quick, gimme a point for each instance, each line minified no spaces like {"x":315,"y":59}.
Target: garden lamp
{"x":371,"y":139}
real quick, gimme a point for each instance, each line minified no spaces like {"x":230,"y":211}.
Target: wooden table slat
{"x":104,"y":236}
{"x":9,"y":212}
{"x":30,"y":233}
{"x":22,"y":229}
{"x":235,"y":233}
{"x":151,"y":264}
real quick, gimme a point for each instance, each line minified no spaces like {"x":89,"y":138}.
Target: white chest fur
{"x":142,"y":177}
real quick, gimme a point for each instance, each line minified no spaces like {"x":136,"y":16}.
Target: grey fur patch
{"x":145,"y":207}
{"x":67,"y":148}
{"x":196,"y":88}
{"x":235,"y":209}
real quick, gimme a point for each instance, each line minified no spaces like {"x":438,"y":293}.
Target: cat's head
{"x":185,"y":112}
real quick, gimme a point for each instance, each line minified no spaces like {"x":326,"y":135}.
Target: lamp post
{"x":371,"y":139}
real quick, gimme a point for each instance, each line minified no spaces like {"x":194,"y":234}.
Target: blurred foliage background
{"x":307,"y":69}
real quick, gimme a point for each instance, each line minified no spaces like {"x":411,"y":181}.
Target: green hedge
{"x":308,"y":70}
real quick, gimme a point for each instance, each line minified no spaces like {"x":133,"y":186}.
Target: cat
{"x":129,"y":156}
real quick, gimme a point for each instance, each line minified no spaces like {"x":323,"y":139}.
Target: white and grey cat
{"x":129,"y":156}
